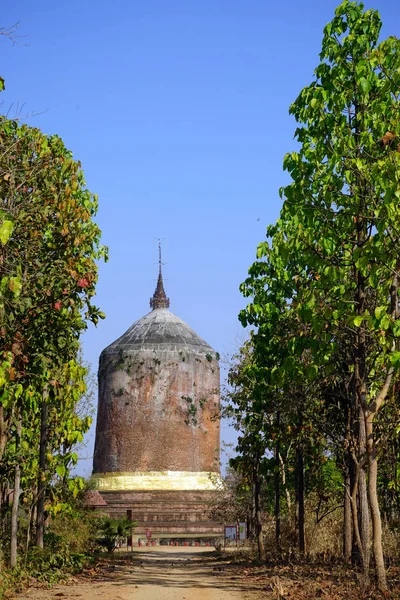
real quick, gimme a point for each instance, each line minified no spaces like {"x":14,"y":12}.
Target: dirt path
{"x":160,"y":573}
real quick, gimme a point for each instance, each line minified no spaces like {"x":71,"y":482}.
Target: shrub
{"x":113,"y":531}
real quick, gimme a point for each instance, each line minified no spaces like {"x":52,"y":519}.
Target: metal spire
{"x":159,"y":299}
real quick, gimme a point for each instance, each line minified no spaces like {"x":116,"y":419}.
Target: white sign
{"x":230,"y":532}
{"x":242,"y":531}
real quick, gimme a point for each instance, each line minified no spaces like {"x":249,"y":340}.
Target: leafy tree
{"x":245,"y":408}
{"x":333,"y":259}
{"x":49,"y":245}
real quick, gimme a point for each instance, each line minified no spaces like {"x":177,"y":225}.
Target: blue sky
{"x":178,"y":111}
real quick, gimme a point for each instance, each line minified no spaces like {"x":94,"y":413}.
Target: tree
{"x":333,"y":258}
{"x":244,"y":407}
{"x":49,"y":245}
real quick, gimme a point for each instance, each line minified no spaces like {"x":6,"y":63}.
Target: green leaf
{"x":15,"y":285}
{"x":385,"y":322}
{"x":379,"y":311}
{"x":395,"y":360}
{"x":61,"y":342}
{"x":61,"y":471}
{"x":6,"y":229}
{"x":365,"y":85}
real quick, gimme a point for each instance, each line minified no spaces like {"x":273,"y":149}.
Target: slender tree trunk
{"x":15,"y":504}
{"x":277,"y":504}
{"x":356,"y":525}
{"x":3,"y":441}
{"x":347,"y":528}
{"x":287,"y":493}
{"x":277,"y":481}
{"x":248,"y":526}
{"x":257,"y":506}
{"x":360,"y":521}
{"x":300,"y":500}
{"x":395,"y":476}
{"x":253,"y":512}
{"x":348,"y":537}
{"x":34,"y":512}
{"x":374,"y":504}
{"x":358,"y":496}
{"x":29,"y":532}
{"x":42,"y":473}
{"x":363,"y":509}
{"x":3,"y":434}
{"x":4,"y":500}
{"x":356,"y":557}
{"x":360,"y":399}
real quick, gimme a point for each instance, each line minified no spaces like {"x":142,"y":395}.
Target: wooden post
{"x":129,"y":541}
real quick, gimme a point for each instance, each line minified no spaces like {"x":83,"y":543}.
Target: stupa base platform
{"x":166,"y":513}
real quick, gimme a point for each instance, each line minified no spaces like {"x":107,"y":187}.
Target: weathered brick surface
{"x":157,"y":408}
{"x":166,"y":513}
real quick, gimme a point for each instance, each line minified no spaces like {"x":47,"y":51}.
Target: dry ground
{"x":170,"y":573}
{"x":160,"y":573}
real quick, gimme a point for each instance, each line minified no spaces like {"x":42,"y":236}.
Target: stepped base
{"x":167,"y":514}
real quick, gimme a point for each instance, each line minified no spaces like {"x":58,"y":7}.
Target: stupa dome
{"x":159,"y":330}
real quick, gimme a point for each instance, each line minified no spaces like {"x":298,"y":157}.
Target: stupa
{"x":157,"y":442}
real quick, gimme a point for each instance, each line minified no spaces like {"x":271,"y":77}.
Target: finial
{"x":159,"y":259}
{"x":159,"y":299}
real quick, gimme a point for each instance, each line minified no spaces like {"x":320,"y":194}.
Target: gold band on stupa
{"x":157,"y":480}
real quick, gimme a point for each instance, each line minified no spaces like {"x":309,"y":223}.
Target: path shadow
{"x":173,"y":569}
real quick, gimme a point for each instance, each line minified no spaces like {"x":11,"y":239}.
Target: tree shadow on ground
{"x":176,"y":569}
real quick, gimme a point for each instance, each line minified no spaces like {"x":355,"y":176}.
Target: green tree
{"x":49,"y":245}
{"x":244,"y":406}
{"x":333,"y":257}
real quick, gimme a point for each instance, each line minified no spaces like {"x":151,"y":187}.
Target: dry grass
{"x":329,"y":579}
{"x":323,"y":573}
{"x":323,"y":539}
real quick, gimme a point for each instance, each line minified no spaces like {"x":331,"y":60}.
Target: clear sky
{"x":178,"y":111}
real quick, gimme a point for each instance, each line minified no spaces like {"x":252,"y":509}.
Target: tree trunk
{"x":277,"y":487}
{"x":358,"y":496}
{"x":359,"y":549}
{"x":257,"y":506}
{"x":374,"y":504}
{"x":287,"y":493}
{"x":29,"y":531}
{"x":347,"y":528}
{"x":359,"y":401}
{"x":358,"y":552}
{"x":253,"y":512}
{"x":363,"y":509}
{"x":3,"y":433}
{"x":300,"y":500}
{"x":395,"y":477}
{"x":42,"y":473}
{"x":15,"y":504}
{"x":348,"y":537}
